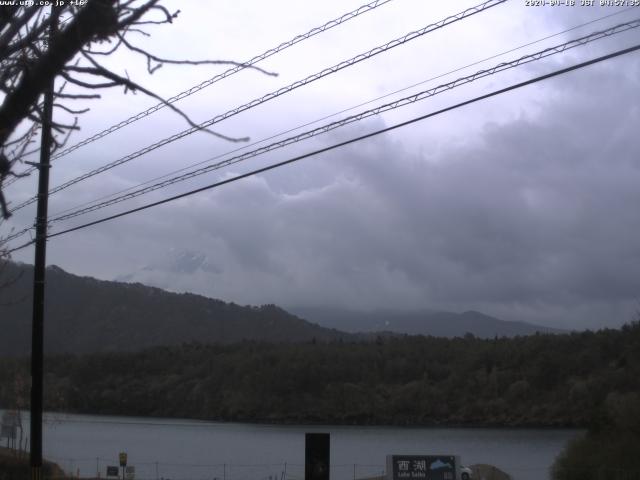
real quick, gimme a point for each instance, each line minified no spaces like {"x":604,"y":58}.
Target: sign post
{"x":123,"y":462}
{"x":317,"y":464}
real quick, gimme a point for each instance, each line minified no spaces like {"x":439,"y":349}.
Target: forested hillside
{"x":550,"y":380}
{"x":87,"y":315}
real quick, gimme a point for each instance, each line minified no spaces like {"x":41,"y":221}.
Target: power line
{"x":15,"y":235}
{"x":346,"y":142}
{"x":271,"y":137}
{"x":24,"y":245}
{"x":360,"y":116}
{"x":270,"y":96}
{"x":575,"y":27}
{"x":231,"y":71}
{"x":92,"y":206}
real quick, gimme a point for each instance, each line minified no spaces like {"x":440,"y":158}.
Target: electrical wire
{"x":270,"y":96}
{"x":94,"y":205}
{"x":271,"y":137}
{"x":231,"y":71}
{"x":347,"y":142}
{"x":358,"y":117}
{"x":13,"y":236}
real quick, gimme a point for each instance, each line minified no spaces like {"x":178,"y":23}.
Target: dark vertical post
{"x":317,"y":465}
{"x":37,"y":332}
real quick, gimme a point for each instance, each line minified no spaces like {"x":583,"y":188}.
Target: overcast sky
{"x":523,"y":206}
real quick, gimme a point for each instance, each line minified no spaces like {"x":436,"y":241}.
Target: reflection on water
{"x":187,"y":449}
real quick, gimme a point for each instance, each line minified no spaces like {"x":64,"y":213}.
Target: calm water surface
{"x":188,"y":449}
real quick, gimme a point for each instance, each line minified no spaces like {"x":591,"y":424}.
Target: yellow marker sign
{"x":123,"y":459}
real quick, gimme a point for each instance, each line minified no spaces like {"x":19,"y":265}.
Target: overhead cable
{"x":345,"y":110}
{"x":519,"y":47}
{"x":270,"y":96}
{"x":121,"y":196}
{"x":358,"y":117}
{"x":346,"y":142}
{"x":13,"y":236}
{"x":227,"y":73}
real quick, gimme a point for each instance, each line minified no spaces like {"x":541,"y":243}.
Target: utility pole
{"x":37,"y":332}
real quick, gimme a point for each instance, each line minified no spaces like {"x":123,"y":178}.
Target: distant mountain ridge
{"x":427,"y":322}
{"x":178,"y":270}
{"x":86,"y":315}
{"x":182,"y":270}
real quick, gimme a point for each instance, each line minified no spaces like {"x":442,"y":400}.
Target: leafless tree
{"x":69,"y":42}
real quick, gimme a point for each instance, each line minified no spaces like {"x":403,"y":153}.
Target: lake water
{"x":188,"y":449}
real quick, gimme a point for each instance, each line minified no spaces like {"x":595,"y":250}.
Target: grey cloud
{"x":532,"y":218}
{"x":535,"y":213}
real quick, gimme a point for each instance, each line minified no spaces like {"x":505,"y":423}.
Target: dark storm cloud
{"x":531,"y":215}
{"x":536,"y":213}
{"x":539,"y":210}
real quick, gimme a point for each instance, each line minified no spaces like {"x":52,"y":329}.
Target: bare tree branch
{"x":127,"y":83}
{"x":160,"y":60}
{"x":15,"y":27}
{"x":91,"y":22}
{"x":30,"y":60}
{"x":79,"y":96}
{"x":70,"y":110}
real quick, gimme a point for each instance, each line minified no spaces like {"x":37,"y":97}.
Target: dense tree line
{"x":610,"y":448}
{"x":550,"y":380}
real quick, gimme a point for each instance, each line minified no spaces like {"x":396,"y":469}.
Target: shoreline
{"x":311,"y":424}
